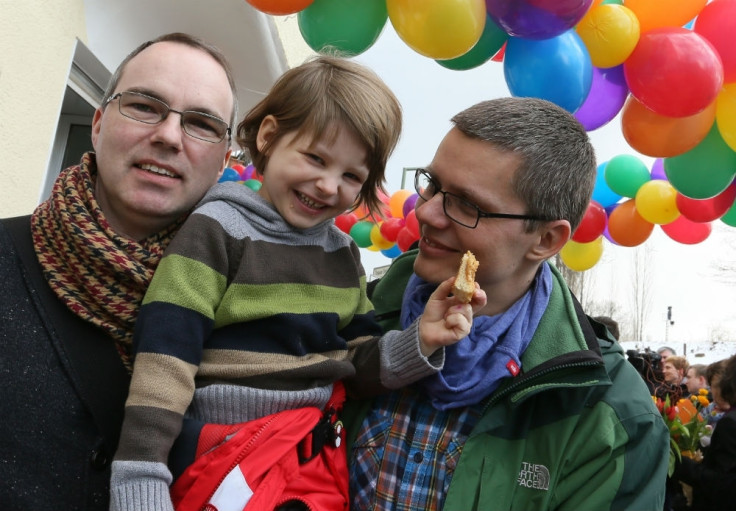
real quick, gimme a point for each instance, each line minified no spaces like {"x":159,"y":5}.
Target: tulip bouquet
{"x":686,"y":425}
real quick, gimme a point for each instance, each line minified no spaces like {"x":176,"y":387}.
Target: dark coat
{"x":61,"y":402}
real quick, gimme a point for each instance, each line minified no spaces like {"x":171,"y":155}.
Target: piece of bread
{"x":464,"y":286}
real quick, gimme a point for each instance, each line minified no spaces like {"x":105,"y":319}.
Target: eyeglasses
{"x":456,"y":208}
{"x":149,"y":110}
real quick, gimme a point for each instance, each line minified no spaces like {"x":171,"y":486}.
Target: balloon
{"x":490,"y":43}
{"x":726,"y":114}
{"x":229,"y":174}
{"x":664,"y":13}
{"x":626,"y":226}
{"x":392,"y":252}
{"x":602,"y":193}
{"x":674,"y":72}
{"x":405,"y":239}
{"x":536,"y":19}
{"x":730,"y":217}
{"x":361,"y":233}
{"x":625,"y":174}
{"x":656,"y":202}
{"x":248,"y":172}
{"x":438,"y":29}
{"x":351,"y":26}
{"x":345,"y":221}
{"x":409,"y":204}
{"x":390,"y":228}
{"x":610,"y":32}
{"x":658,"y":169}
{"x":412,"y":224}
{"x":396,"y":202}
{"x":658,"y":135}
{"x":607,"y":95}
{"x":592,"y":224}
{"x":253,"y":184}
{"x":717,"y":23}
{"x":556,"y":69}
{"x":686,"y":231}
{"x":279,"y":7}
{"x":707,"y":210}
{"x":498,"y":57}
{"x":378,"y":240}
{"x":704,"y":171}
{"x":582,"y":256}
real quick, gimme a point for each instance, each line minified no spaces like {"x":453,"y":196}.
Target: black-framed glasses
{"x":149,"y":110}
{"x":456,"y":208}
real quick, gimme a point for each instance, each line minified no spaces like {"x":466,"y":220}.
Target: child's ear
{"x":552,"y":237}
{"x":268,"y":128}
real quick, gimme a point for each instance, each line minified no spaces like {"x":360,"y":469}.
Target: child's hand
{"x":446,"y":320}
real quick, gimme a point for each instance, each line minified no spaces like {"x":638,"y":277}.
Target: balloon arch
{"x":667,"y":66}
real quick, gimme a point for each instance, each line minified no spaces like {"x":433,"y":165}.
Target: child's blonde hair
{"x":310,"y":98}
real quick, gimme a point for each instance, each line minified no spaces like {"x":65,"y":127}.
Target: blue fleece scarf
{"x":475,"y":366}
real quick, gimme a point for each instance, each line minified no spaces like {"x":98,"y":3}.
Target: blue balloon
{"x":557,"y":69}
{"x":230,"y":174}
{"x":602,"y":193}
{"x":392,"y":252}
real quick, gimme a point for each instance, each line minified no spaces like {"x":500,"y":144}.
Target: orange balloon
{"x":626,"y":226}
{"x":664,"y":13}
{"x":660,"y":136}
{"x":280,"y":7}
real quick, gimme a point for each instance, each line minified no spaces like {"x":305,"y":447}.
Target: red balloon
{"x":405,"y":239}
{"x":686,"y":231}
{"x":717,"y":23}
{"x":498,"y":57}
{"x":280,"y":7}
{"x":674,"y":71}
{"x":345,"y":221}
{"x":706,"y":210}
{"x":592,"y":225}
{"x":390,"y":228}
{"x":412,"y":223}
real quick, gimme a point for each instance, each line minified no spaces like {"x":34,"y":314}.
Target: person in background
{"x":537,"y":408}
{"x":718,"y":406}
{"x":74,"y":272}
{"x":664,"y":352}
{"x":270,"y":303}
{"x":697,"y":379}
{"x":713,"y":480}
{"x":674,"y":369}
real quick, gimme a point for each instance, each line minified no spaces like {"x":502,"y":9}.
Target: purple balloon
{"x":658,"y":169}
{"x":409,"y":204}
{"x":606,"y":98}
{"x":537,"y":19}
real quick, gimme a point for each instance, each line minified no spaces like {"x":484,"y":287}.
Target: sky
{"x":682,"y":276}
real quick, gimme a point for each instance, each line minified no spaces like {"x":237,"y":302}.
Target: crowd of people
{"x":245,"y":317}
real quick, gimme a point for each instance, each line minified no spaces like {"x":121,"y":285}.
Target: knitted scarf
{"x":476,"y":365}
{"x":100,"y":276}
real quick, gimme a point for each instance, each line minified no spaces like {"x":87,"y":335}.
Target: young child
{"x":259,"y":309}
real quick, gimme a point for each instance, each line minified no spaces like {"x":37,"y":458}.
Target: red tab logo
{"x":513,"y":367}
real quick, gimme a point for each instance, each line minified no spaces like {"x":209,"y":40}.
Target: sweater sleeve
{"x":176,"y":317}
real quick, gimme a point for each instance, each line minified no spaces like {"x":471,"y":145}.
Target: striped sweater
{"x":247,"y":316}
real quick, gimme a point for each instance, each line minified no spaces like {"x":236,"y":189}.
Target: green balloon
{"x":625,"y":174}
{"x":491,"y":40}
{"x":351,"y":26}
{"x":361,"y":233}
{"x":253,"y":184}
{"x":704,"y":171}
{"x":730,"y":217}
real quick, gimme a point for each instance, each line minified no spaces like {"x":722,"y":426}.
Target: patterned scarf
{"x":100,"y":276}
{"x":476,"y":366}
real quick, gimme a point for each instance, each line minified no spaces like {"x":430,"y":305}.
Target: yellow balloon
{"x":656,"y":202}
{"x":726,"y":114}
{"x":582,"y":256}
{"x":438,"y":29}
{"x":379,"y":242}
{"x":610,"y":33}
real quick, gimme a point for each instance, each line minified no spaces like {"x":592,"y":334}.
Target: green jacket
{"x":576,"y":430}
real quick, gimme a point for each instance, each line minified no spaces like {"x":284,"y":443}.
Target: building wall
{"x":37,"y":40}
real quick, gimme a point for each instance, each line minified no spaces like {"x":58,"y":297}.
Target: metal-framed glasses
{"x":149,"y":110}
{"x":455,"y":207}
